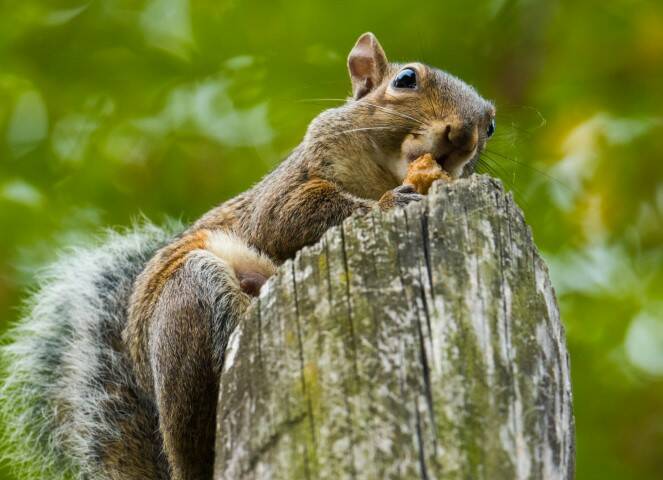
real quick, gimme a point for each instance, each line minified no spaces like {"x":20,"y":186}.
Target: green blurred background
{"x":111,"y":109}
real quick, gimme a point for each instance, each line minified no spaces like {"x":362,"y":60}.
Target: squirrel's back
{"x":69,"y":402}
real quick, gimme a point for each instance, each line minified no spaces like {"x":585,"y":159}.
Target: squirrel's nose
{"x":461,"y":136}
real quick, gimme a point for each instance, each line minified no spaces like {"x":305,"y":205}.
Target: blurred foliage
{"x":110,"y":108}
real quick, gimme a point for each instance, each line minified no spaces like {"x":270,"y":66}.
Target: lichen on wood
{"x":417,"y":343}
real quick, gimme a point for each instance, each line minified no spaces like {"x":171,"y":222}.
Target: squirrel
{"x":113,"y":371}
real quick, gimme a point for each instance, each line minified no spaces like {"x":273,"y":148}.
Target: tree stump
{"x":418,"y":343}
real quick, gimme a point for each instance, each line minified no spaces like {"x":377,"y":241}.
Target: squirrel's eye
{"x":491,"y":128}
{"x":406,"y":78}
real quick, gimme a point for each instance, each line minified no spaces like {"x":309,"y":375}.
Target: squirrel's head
{"x":411,"y":109}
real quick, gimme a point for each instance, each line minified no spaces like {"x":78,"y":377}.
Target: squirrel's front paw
{"x":399,"y":197}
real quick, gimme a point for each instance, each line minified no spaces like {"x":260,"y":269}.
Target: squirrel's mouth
{"x":454,"y":162}
{"x":442,"y":160}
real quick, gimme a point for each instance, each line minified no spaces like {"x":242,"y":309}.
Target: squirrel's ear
{"x":367,"y":64}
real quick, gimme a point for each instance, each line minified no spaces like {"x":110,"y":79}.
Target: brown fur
{"x":353,"y":158}
{"x":147,"y":290}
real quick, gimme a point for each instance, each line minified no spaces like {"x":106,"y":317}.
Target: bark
{"x":418,"y":343}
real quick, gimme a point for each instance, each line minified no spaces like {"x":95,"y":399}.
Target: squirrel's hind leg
{"x":252,"y":269}
{"x":197,"y":310}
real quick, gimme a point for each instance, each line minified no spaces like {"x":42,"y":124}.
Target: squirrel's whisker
{"x":526,"y":165}
{"x":484,"y":165}
{"x":494,"y":168}
{"x":393,"y":112}
{"x":364,"y":103}
{"x":498,"y":171}
{"x":351,"y":130}
{"x":304,"y":100}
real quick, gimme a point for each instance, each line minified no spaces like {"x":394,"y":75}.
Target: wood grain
{"x":417,"y":343}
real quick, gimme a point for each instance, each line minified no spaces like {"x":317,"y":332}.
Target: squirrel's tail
{"x":69,"y":403}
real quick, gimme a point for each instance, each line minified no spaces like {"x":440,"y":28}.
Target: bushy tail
{"x":69,"y":402}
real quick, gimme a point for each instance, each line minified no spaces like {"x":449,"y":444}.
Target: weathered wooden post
{"x":420,"y":343}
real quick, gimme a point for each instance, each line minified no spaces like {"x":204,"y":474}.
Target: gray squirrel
{"x":113,"y":371}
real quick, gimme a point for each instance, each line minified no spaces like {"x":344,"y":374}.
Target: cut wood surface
{"x":417,"y":343}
